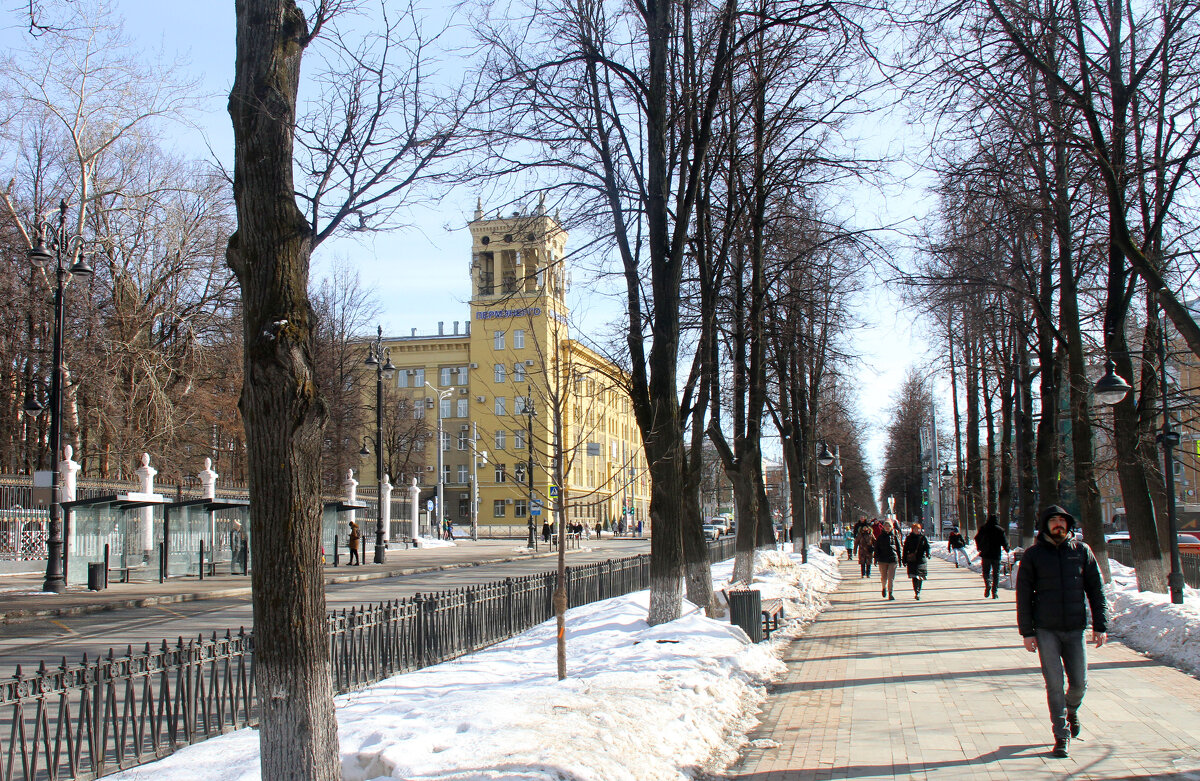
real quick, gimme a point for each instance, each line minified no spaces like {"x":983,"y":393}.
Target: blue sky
{"x":419,"y":274}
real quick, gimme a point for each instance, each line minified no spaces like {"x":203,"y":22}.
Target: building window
{"x":463,"y":374}
{"x":462,"y":408}
{"x":501,"y":473}
{"x":518,"y":372}
{"x":519,"y":508}
{"x":402,"y":378}
{"x":519,"y":472}
{"x":519,"y":405}
{"x":463,"y":473}
{"x":445,"y":441}
{"x":518,"y":338}
{"x":500,"y":405}
{"x":444,"y":376}
{"x":498,"y":340}
{"x":463,"y":438}
{"x":446,"y":473}
{"x":499,"y":372}
{"x":419,"y":446}
{"x":498,"y":508}
{"x":501,"y":436}
{"x":419,"y":410}
{"x":518,"y":439}
{"x":418,"y":378}
{"x":445,"y":407}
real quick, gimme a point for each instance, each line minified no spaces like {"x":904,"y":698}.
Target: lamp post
{"x":825,"y":458}
{"x":530,"y":413}
{"x":943,"y":480}
{"x":379,"y":357}
{"x":476,"y":454}
{"x":1110,"y":389}
{"x":62,"y":247}
{"x":441,"y":483}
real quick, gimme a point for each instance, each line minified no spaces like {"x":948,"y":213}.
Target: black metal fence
{"x":82,"y":721}
{"x":1188,"y":562}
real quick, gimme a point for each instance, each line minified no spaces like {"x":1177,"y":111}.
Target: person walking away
{"x":848,"y":540}
{"x":887,"y":556}
{"x":355,"y":537}
{"x":990,"y":541}
{"x":958,"y":543}
{"x":866,"y":549}
{"x":546,"y":531}
{"x":1056,"y":577}
{"x":916,"y":558}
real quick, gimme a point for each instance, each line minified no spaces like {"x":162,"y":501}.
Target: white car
{"x":712,"y":531}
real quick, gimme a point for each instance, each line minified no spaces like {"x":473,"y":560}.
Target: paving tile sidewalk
{"x":942,"y":689}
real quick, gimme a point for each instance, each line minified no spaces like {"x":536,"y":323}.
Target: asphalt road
{"x":50,"y":639}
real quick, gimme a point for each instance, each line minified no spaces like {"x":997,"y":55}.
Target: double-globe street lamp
{"x":379,"y":357}
{"x":1110,"y":389}
{"x":62,"y":247}
{"x":530,"y":415}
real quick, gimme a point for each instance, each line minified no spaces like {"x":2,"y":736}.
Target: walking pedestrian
{"x":1057,"y":576}
{"x":449,"y":528}
{"x":887,"y":556}
{"x":545,"y":531}
{"x":990,"y":541}
{"x":866,"y":549}
{"x":916,"y":558}
{"x":848,"y":541}
{"x":355,"y":537}
{"x":957,"y":544}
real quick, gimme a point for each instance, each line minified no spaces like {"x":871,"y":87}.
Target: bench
{"x":772,"y":611}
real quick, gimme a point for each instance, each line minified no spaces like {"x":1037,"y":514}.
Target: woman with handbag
{"x":887,"y":556}
{"x":916,"y":557}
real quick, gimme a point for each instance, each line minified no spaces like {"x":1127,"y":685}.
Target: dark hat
{"x":1052,"y":511}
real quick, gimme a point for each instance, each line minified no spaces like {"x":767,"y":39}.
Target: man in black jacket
{"x":990,"y":541}
{"x":1057,"y":576}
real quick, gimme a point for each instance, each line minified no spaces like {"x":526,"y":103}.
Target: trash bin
{"x":96,"y":576}
{"x":745,"y":610}
{"x":826,"y":548}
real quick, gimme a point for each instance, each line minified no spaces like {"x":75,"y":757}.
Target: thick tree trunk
{"x":281,"y":411}
{"x":664,"y":453}
{"x":973,"y":483}
{"x":745,"y":498}
{"x":1026,"y":497}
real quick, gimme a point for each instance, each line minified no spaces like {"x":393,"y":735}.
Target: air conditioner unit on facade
{"x":466,"y":427}
{"x":529,"y":363}
{"x":462,"y":391}
{"x":474,"y":366}
{"x":428,"y":402}
{"x":479,"y":399}
{"x":430,"y":468}
{"x":508,"y":501}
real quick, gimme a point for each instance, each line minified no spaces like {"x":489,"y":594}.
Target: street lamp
{"x":476,"y":456}
{"x":1110,"y":389}
{"x":441,"y":475}
{"x":62,"y":246}
{"x":379,"y":357}
{"x":943,"y":481}
{"x":530,"y":414}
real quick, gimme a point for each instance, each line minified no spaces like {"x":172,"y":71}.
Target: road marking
{"x":63,"y":626}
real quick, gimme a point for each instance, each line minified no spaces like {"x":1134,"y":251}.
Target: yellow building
{"x":513,"y":355}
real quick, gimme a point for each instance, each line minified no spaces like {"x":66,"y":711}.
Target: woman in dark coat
{"x":916,"y":557}
{"x":887,"y":556}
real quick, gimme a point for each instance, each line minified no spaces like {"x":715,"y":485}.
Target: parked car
{"x":724,"y":523}
{"x":712,"y":531}
{"x":1188,"y":542}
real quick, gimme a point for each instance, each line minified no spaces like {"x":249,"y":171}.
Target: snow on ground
{"x":641,"y":703}
{"x":1146,"y":621}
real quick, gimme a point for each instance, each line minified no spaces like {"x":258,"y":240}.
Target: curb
{"x":20,"y":616}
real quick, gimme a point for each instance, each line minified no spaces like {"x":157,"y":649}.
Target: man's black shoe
{"x":1060,"y":748}
{"x":987,"y":592}
{"x":1073,"y":720}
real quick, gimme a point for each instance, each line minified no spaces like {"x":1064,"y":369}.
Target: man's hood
{"x":1051,"y":511}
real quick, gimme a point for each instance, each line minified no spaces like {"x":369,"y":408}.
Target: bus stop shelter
{"x":112,"y":533}
{"x":204,"y":537}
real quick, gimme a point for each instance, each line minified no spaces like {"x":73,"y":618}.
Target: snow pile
{"x":433,"y":542}
{"x":641,"y":703}
{"x":1146,"y":621}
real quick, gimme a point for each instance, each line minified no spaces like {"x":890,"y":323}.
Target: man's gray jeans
{"x":1063,"y":654}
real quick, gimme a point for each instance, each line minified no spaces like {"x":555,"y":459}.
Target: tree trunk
{"x":281,"y":411}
